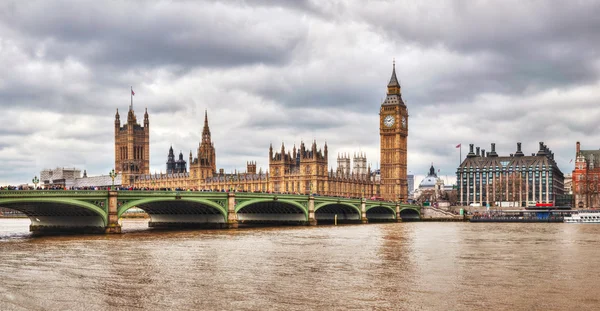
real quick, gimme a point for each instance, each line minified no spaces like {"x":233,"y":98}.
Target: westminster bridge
{"x":99,"y":211}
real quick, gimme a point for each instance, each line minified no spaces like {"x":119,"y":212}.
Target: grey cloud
{"x":145,"y":34}
{"x":269,"y":71}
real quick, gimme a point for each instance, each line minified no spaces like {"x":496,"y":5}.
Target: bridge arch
{"x":178,"y":208}
{"x":380,"y":212}
{"x":59,"y":212}
{"x":345,"y":212}
{"x":270,"y":211}
{"x":408,"y":214}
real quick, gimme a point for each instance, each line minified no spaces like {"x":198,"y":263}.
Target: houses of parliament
{"x":303,"y":169}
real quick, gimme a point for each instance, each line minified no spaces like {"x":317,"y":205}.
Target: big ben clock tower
{"x":393,"y":133}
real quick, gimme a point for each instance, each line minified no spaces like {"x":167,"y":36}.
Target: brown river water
{"x":394,"y":266}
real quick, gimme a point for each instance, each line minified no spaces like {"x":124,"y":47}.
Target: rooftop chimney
{"x":519,"y":153}
{"x":493,"y":152}
{"x":477,"y":151}
{"x":471,"y":154}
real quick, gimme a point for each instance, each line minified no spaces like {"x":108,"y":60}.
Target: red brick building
{"x":586,"y":178}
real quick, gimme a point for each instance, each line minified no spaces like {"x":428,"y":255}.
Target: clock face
{"x":389,"y":121}
{"x":404,"y":122}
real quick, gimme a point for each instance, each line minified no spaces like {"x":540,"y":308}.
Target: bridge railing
{"x":51,"y":193}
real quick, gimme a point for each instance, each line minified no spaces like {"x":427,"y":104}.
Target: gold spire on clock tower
{"x":393,"y":133}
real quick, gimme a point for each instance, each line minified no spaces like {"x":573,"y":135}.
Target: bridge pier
{"x":398,"y":218}
{"x":363,"y":211}
{"x":112,"y":223}
{"x":312,"y":221}
{"x":232,"y":221}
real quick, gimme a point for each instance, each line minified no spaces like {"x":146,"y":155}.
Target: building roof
{"x":592,"y":157}
{"x":543,"y":157}
{"x":97,"y":181}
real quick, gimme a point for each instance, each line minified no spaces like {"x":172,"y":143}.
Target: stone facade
{"x":302,"y":170}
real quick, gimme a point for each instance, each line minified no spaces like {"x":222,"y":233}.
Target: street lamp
{"x":112,"y":175}
{"x":311,"y":188}
{"x":35,"y":181}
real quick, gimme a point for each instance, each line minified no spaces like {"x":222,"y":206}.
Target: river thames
{"x":394,"y":266}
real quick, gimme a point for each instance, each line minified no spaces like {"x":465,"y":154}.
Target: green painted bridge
{"x":99,"y":211}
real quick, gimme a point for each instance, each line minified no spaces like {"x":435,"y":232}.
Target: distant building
{"x":586,"y":178}
{"x":568,"y":184}
{"x":432,"y":186}
{"x":173,"y":166}
{"x":59,"y":177}
{"x":71,"y":178}
{"x":411,"y":185}
{"x":486,"y":178}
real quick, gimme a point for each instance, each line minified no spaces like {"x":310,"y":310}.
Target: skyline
{"x":294,"y":70}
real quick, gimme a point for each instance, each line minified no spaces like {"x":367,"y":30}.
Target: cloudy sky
{"x":271,"y":71}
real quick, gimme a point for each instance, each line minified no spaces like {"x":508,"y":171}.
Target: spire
{"x":132,"y":93}
{"x":117,"y":120}
{"x":393,"y":86}
{"x":206,"y":129}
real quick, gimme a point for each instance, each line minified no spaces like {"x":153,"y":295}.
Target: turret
{"x":146,"y":120}
{"x":117,"y":120}
{"x":270,"y":152}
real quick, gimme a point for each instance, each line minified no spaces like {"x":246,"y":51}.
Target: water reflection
{"x":406,"y":266}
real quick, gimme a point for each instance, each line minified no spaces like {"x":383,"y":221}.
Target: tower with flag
{"x":132,"y":145}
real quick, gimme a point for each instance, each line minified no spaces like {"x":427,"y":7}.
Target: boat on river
{"x":584,"y":217}
{"x":519,"y":216}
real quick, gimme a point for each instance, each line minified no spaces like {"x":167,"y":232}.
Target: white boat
{"x":583,"y":217}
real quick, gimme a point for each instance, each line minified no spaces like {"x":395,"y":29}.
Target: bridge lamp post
{"x":35,"y":181}
{"x":112,"y":175}
{"x":311,"y":188}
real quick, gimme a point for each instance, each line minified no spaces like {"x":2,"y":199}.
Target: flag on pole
{"x":132,"y":92}
{"x":458,"y":146}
